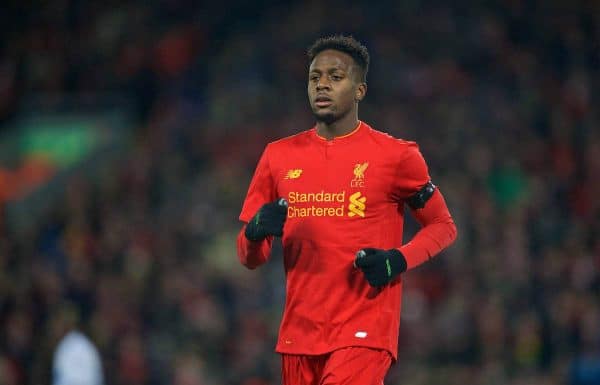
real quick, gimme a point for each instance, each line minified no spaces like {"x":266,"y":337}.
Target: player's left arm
{"x":438,"y":231}
{"x":427,"y":206}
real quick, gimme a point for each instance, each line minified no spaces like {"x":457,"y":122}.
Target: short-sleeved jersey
{"x":344,"y":194}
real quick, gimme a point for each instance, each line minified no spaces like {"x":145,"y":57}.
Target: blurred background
{"x":129,"y":131}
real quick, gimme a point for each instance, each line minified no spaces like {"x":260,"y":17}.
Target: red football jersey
{"x":344,"y":194}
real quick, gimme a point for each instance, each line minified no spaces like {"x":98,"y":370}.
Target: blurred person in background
{"x":76,"y":359}
{"x":336,"y":195}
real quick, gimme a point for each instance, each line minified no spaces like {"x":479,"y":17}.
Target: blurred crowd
{"x":502,"y":96}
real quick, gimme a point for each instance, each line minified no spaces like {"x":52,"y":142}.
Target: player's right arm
{"x":262,"y":217}
{"x":253,"y":254}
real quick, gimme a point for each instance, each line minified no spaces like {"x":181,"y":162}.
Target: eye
{"x":336,"y":77}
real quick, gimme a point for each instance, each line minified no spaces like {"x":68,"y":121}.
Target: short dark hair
{"x":346,"y":44}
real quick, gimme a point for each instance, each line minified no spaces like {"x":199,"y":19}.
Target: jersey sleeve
{"x":438,"y":230}
{"x":261,"y":190}
{"x":412,"y":173}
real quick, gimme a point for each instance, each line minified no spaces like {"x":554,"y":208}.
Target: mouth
{"x":323,"y":101}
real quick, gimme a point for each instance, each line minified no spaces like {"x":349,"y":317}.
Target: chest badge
{"x":359,"y":175}
{"x":293,"y":174}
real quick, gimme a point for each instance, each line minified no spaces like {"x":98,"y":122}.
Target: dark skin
{"x":335,"y":88}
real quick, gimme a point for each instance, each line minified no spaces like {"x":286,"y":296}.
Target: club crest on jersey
{"x":359,"y":175}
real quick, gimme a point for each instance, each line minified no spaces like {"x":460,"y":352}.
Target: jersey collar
{"x":359,"y":131}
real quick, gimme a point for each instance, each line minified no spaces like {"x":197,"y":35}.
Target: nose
{"x":323,"y":83}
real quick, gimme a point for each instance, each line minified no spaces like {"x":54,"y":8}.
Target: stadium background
{"x":129,"y":132}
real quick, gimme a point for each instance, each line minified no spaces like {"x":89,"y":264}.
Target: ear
{"x":361,"y":91}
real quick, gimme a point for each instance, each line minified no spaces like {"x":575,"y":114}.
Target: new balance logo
{"x":357,"y":205}
{"x":293,"y":174}
{"x":359,"y":175}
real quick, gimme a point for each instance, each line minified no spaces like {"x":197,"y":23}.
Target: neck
{"x":340,"y":127}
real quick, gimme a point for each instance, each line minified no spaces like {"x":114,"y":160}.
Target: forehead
{"x":332,"y":59}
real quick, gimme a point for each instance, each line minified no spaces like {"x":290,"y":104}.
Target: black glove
{"x":380,"y":266}
{"x":268,"y":220}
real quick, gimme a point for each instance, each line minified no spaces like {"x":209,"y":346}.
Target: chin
{"x":327,"y":117}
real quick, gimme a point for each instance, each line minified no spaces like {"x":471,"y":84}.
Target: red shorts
{"x":346,"y":366}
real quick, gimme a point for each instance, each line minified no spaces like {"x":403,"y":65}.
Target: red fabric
{"x":346,"y":366}
{"x":437,"y":232}
{"x":344,"y":195}
{"x":253,"y":254}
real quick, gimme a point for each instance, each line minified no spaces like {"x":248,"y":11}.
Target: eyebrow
{"x":329,"y":70}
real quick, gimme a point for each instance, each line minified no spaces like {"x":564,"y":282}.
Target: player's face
{"x":333,"y":89}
